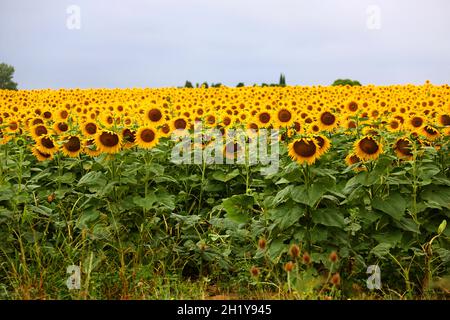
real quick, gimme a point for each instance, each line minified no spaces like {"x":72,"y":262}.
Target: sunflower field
{"x":87,"y":179}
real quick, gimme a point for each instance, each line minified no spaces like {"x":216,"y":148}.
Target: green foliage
{"x":345,"y":82}
{"x":6,"y":76}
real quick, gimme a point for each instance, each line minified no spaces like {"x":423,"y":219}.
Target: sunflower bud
{"x":306,"y":258}
{"x":254,"y":271}
{"x":333,"y":257}
{"x":294,"y":251}
{"x":336,"y":279}
{"x":289,"y":266}
{"x":262,"y":243}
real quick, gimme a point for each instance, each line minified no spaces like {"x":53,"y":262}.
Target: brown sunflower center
{"x":211,"y":119}
{"x":63,"y":126}
{"x":264,"y":117}
{"x":109,"y":139}
{"x":305,"y":148}
{"x":47,"y":114}
{"x":40,"y":130}
{"x":13,"y":126}
{"x":417,"y":122}
{"x":165,"y":128}
{"x":327,"y":118}
{"x":91,"y":128}
{"x":64,"y":114}
{"x":154,"y":115}
{"x":368,"y":146}
{"x":445,"y":119}
{"x":284,"y":115}
{"x":226,"y":121}
{"x":353,"y":106}
{"x":180,"y":124}
{"x":147,"y":135}
{"x":297,"y":126}
{"x":404,"y":147}
{"x":431,"y":131}
{"x":73,"y":144}
{"x":36,"y":121}
{"x":352,"y":124}
{"x":47,"y":143}
{"x":394,"y":124}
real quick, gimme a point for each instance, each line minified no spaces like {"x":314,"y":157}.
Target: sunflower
{"x":443,"y":119}
{"x":89,"y":128}
{"x":37,"y":131}
{"x":284,"y":118}
{"x":263,"y":119}
{"x":416,"y":122}
{"x":351,"y":106}
{"x":108,"y":141}
{"x":393,"y":125}
{"x":430,"y":132}
{"x":327,"y":120}
{"x":72,"y":146}
{"x":226,"y":120}
{"x":210,"y":120}
{"x":367,"y":148}
{"x":304,"y":150}
{"x":323,"y":143}
{"x":91,"y":149}
{"x":232,"y":150}
{"x":353,"y":159}
{"x":4,"y":137}
{"x":154,"y":116}
{"x":60,"y":127}
{"x":41,"y":156}
{"x":180,"y":125}
{"x":146,"y":137}
{"x":403,"y":148}
{"x":165,"y":130}
{"x":129,"y":138}
{"x":45,"y":144}
{"x":61,"y":114}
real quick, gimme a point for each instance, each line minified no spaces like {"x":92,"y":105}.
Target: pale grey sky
{"x":160,"y":43}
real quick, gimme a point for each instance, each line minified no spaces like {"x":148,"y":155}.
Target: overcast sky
{"x":161,"y":43}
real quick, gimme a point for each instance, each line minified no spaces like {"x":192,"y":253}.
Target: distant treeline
{"x":281,"y":83}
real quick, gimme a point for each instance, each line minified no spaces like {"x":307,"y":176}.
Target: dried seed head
{"x":51,"y":197}
{"x":254,"y":271}
{"x":336,"y":279}
{"x":306,"y":258}
{"x":333,"y":257}
{"x":262,"y":243}
{"x":294,"y":251}
{"x":289,"y":266}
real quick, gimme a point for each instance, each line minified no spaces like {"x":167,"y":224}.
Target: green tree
{"x":240,"y":84}
{"x":6,"y":75}
{"x":282,"y":82}
{"x":188,"y":84}
{"x":344,"y":82}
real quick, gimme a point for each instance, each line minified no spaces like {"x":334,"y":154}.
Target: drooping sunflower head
{"x":128,"y":137}
{"x":323,"y":143}
{"x":430,"y":132}
{"x":367,"y":148}
{"x":353,"y":159}
{"x":41,"y":156}
{"x":108,"y":141}
{"x":304,"y":150}
{"x":403,"y":148}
